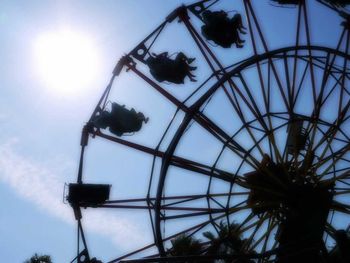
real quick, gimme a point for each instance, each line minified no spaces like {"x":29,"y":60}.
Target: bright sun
{"x":66,"y":61}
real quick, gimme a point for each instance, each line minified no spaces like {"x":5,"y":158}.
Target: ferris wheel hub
{"x":277,"y":188}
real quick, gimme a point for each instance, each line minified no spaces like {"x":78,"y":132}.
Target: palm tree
{"x":39,"y":259}
{"x":227,"y":242}
{"x":185,"y":245}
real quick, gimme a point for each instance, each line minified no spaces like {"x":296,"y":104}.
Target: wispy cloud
{"x":42,"y":185}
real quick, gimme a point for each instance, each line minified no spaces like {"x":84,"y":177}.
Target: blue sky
{"x":41,"y":123}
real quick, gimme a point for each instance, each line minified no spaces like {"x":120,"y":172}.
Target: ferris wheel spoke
{"x":294,"y":75}
{"x":264,"y":238}
{"x":336,"y":171}
{"x":240,"y":114}
{"x":267,"y":103}
{"x":340,"y":207}
{"x":194,"y":209}
{"x":207,"y":196}
{"x":216,"y":202}
{"x":344,"y":33}
{"x":343,"y":182}
{"x":329,"y":149}
{"x":210,"y":210}
{"x":341,"y":189}
{"x":279,"y":85}
{"x":326,"y":73}
{"x":175,"y":160}
{"x":343,"y":176}
{"x":196,"y":227}
{"x":271,"y":225}
{"x":260,"y":119}
{"x":251,"y":14}
{"x":342,"y":192}
{"x":330,"y":68}
{"x":144,"y":207}
{"x":334,"y":128}
{"x":342,"y":84}
{"x":177,"y":198}
{"x":330,"y":134}
{"x":249,"y":11}
{"x":243,"y":228}
{"x":243,"y":119}
{"x":222,"y":136}
{"x":335,"y":178}
{"x":266,"y":97}
{"x":237,"y":107}
{"x":230,"y":210}
{"x":198,"y":210}
{"x":207,"y":54}
{"x":329,"y":93}
{"x":249,"y":8}
{"x":248,"y":242}
{"x":317,"y":98}
{"x":333,"y":68}
{"x":186,"y":215}
{"x":300,"y":85}
{"x":287,"y":80}
{"x":157,"y":87}
{"x":252,"y":106}
{"x":204,"y":169}
{"x":326,"y":67}
{"x":203,"y":48}
{"x":225,"y":211}
{"x":310,"y":58}
{"x":200,"y":43}
{"x":330,"y":229}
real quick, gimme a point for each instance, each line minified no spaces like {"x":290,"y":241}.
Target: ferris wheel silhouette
{"x":268,"y":134}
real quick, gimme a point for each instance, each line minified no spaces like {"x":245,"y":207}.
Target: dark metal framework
{"x":265,"y":92}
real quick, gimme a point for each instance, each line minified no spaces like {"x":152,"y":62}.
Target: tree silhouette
{"x":39,"y":259}
{"x":184,"y":245}
{"x":227,"y":242}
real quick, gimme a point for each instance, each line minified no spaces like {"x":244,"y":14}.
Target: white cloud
{"x":42,"y":184}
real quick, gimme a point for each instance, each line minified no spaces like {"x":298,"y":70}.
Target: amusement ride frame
{"x":328,"y":139}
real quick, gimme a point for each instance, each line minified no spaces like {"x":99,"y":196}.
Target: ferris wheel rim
{"x":159,"y":241}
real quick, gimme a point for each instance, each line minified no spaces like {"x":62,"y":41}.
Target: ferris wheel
{"x":267,"y":136}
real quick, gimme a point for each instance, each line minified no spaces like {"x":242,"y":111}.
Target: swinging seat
{"x":88,"y":195}
{"x":163,"y":68}
{"x":222,"y":30}
{"x":120,"y":120}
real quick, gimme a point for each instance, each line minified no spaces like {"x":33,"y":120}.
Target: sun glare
{"x":66,"y":61}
